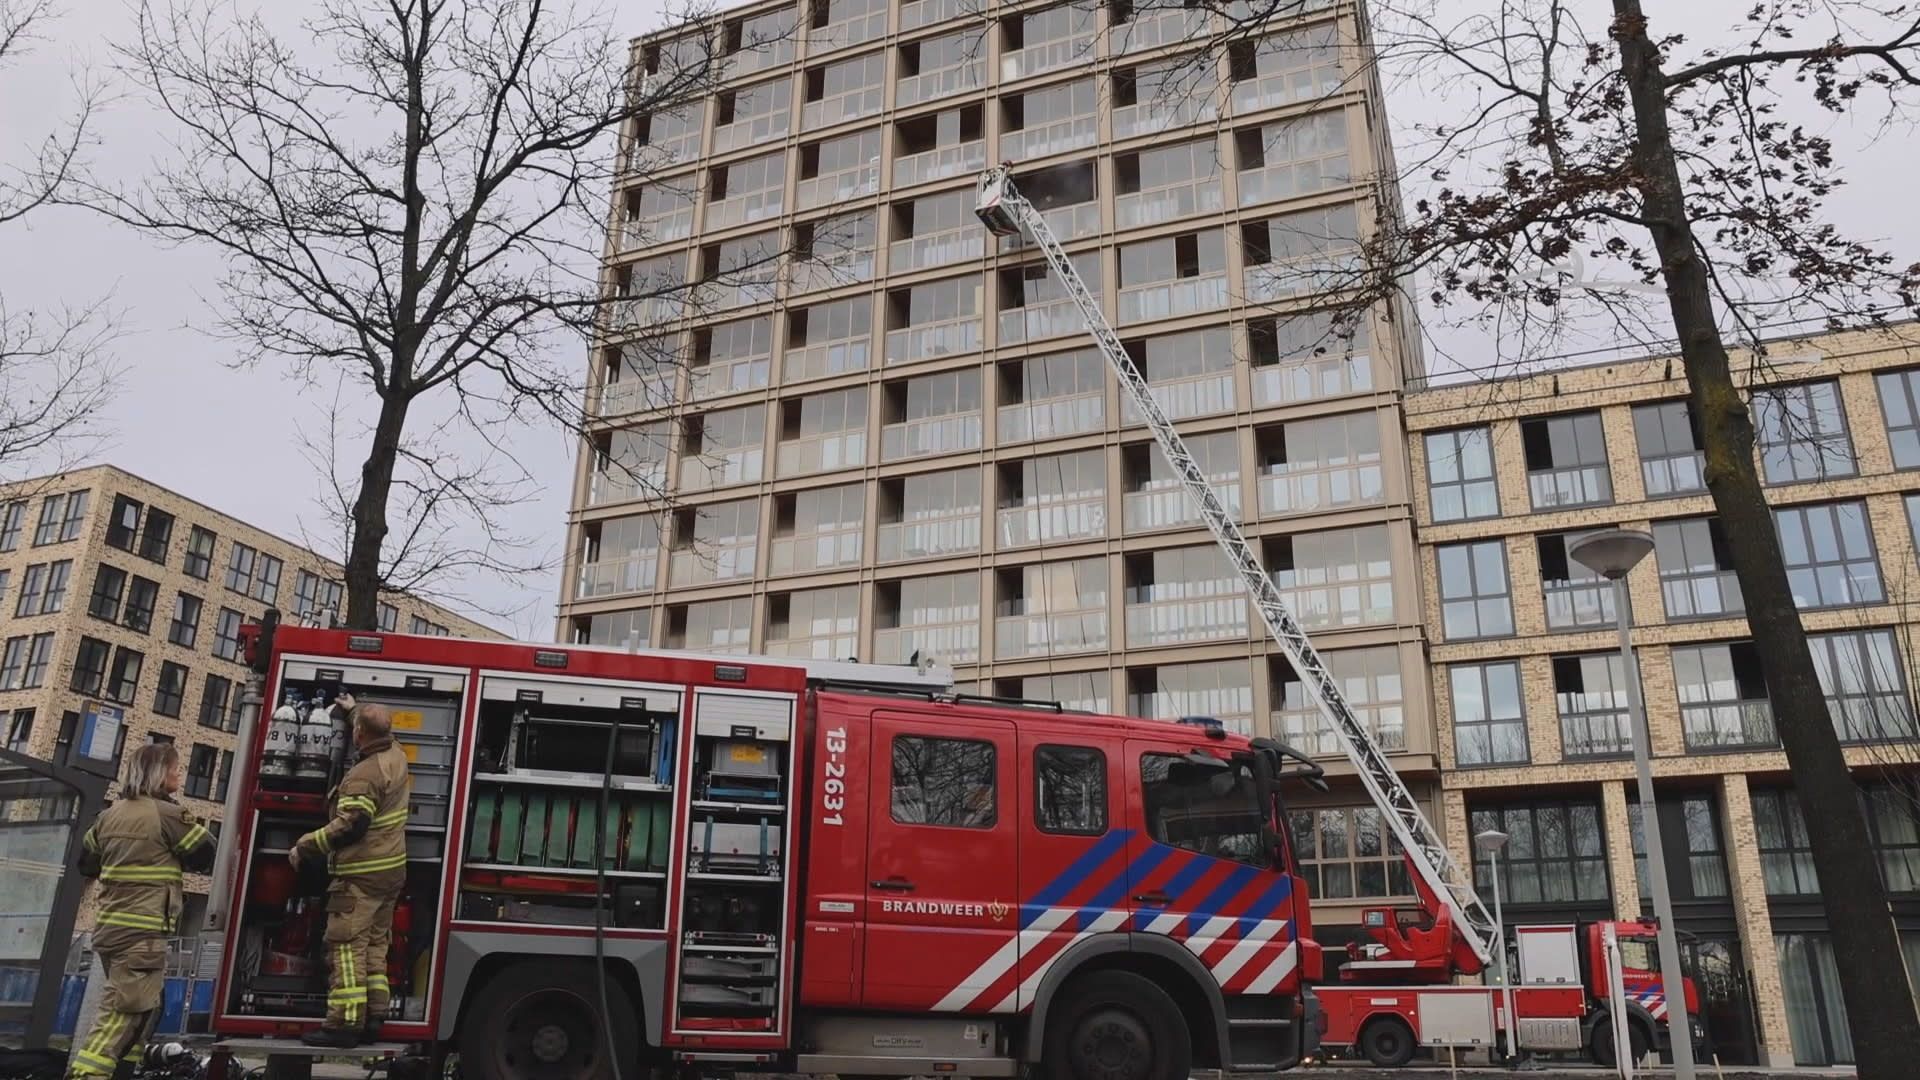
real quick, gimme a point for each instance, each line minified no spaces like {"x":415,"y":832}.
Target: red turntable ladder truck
{"x":1407,"y":1004}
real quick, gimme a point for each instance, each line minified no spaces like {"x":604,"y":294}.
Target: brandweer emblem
{"x":997,"y":911}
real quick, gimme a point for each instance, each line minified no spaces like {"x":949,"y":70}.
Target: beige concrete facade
{"x":1711,"y":737}
{"x":45,"y":680}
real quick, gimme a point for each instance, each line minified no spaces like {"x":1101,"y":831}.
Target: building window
{"x":1343,"y":577}
{"x":225,"y":776}
{"x":1476,"y":598}
{"x":389,"y":618}
{"x":1566,"y":461}
{"x":1696,"y":569}
{"x":1865,"y":685}
{"x":1802,"y":433}
{"x":315,"y":596}
{"x":1196,"y":809}
{"x":240,"y":568}
{"x":199,"y":560}
{"x":948,"y":782}
{"x":6,"y":576}
{"x":43,"y":589}
{"x":1786,"y":854}
{"x":1590,"y":693}
{"x":1079,"y":692}
{"x":109,"y":585}
{"x":185,"y":628}
{"x":1671,"y":461}
{"x":61,"y":517}
{"x":124,"y":526}
{"x":124,"y":684}
{"x":1348,"y":854}
{"x":226,"y":635}
{"x":1828,"y":550}
{"x":1555,"y":852}
{"x":426,"y":627}
{"x":627,"y":630}
{"x":13,"y":662}
{"x":143,"y":595}
{"x":19,"y":730}
{"x":13,"y":517}
{"x":937,"y":616}
{"x":1460,"y":480}
{"x":201,"y":764}
{"x":1894,"y":818}
{"x":717,"y":626}
{"x":39,"y":657}
{"x":266,"y":586}
{"x":213,"y":703}
{"x":90,"y":666}
{"x":1221,"y":689}
{"x":1723,"y":696}
{"x":1070,"y":790}
{"x":1690,"y":820}
{"x":1900,"y":404}
{"x":1176,"y":596}
{"x":1370,"y":680}
{"x":170,"y":693}
{"x":1577,"y":598}
{"x":816,"y":623}
{"x":156,"y":535}
{"x":1489,"y":718}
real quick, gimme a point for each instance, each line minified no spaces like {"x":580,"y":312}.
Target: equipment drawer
{"x":732,"y":997}
{"x":712,"y":968}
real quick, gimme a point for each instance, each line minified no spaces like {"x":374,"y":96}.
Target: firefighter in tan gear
{"x":365,"y":843}
{"x":139,"y":848}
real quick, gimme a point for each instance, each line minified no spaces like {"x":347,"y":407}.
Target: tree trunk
{"x":370,"y":515}
{"x":1873,"y":980}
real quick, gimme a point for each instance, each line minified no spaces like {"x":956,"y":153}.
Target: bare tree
{"x":421,"y":209}
{"x":55,"y":373}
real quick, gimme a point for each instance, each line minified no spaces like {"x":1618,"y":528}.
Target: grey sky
{"x":186,"y":420}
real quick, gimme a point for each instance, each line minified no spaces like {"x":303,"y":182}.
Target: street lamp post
{"x":1491,"y":842}
{"x":1612,"y":553}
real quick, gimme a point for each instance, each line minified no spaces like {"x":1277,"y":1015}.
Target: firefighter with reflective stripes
{"x":365,"y":845}
{"x":139,"y":849}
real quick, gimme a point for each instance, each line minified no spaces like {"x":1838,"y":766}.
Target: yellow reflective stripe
{"x":370,"y":866}
{"x":91,"y":841}
{"x":135,"y":921}
{"x":89,"y":1064}
{"x":319,"y":838}
{"x":195,"y":837}
{"x":391,"y":817}
{"x":358,"y":802}
{"x":341,"y":997}
{"x":140,"y":873}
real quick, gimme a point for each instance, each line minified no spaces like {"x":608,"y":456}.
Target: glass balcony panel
{"x":1167,"y":204}
{"x":1023,"y":526}
{"x":919,"y":13}
{"x":838,"y":187}
{"x":1154,"y":117}
{"x":844,"y":451}
{"x":1055,"y":318}
{"x":957,"y":643}
{"x":1067,"y":223}
{"x":1308,"y":731}
{"x":929,"y":538}
{"x":641,"y":233}
{"x":846,"y":32}
{"x":617,"y":577}
{"x":620,"y":485}
{"x":704,"y":566}
{"x":1293,"y":179}
{"x":1015,"y":636}
{"x":1196,"y":395}
{"x":841,"y":108}
{"x":815,"y":551}
{"x":1316,"y":489}
{"x":932,"y":85}
{"x":633,"y":395}
{"x":937,"y":249}
{"x":836,"y":647}
{"x":757,"y":206}
{"x":1179,"y":622}
{"x":719,"y":470}
{"x":821,"y":361}
{"x":1312,"y":379}
{"x":1332,"y":272}
{"x":934,"y":435}
{"x":1729,"y":725}
{"x":933,"y":340}
{"x":1170,"y":299}
{"x":1047,"y":56}
{"x":1158,"y":30}
{"x":1050,"y":419}
{"x":963,"y":159}
{"x":753,"y":132}
{"x":1171,"y":508}
{"x":1072,"y":133}
{"x":731,"y":377}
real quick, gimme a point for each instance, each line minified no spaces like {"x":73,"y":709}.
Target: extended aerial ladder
{"x":1006,"y":212}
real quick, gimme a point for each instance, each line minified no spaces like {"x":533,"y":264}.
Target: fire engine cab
{"x":742,"y":862}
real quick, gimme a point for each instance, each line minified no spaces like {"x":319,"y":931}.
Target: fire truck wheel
{"x":540,"y":1020}
{"x":1387,"y":1042}
{"x":1115,"y":1025}
{"x":1602,"y":1042}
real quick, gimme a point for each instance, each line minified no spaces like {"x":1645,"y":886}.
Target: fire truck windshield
{"x":1214,"y":810}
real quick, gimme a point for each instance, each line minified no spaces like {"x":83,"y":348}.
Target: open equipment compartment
{"x":279,"y":971}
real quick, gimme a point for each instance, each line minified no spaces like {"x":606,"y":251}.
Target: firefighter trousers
{"x":359,"y":930}
{"x":129,"y":1007}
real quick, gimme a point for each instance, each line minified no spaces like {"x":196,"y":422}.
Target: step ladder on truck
{"x":1393,"y":995}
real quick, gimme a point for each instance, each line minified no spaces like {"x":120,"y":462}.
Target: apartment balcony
{"x":930,"y":341}
{"x":762,"y":56}
{"x":1314,"y":490}
{"x":963,"y":159}
{"x":1595,"y":734}
{"x":1052,"y":418}
{"x":755,"y":132}
{"x":846,"y":32}
{"x":954,"y":643}
{"x":640,"y":233}
{"x":650,"y":158}
{"x":1283,"y":88}
{"x":727,"y":295}
{"x":829,"y":189}
{"x":821,"y":361}
{"x":702,"y":471}
{"x":815,"y":551}
{"x":1055,"y":318}
{"x":1059,"y":137}
{"x":1271,"y":282}
{"x":1293,"y":180}
{"x":929,"y":538}
{"x":1052,"y":522}
{"x":933,"y":85}
{"x":645,"y":482}
{"x":1153,"y":118}
{"x":632,"y":396}
{"x":1159,"y":30}
{"x":633,"y":313}
{"x":1168,"y":204}
{"x":1702,"y":595}
{"x":730,"y":377}
{"x":1171,"y":299}
{"x":968,"y":243}
{"x":1873,"y":717}
{"x":759,"y":206}
{"x":1738,"y":725}
{"x":1195,"y":395}
{"x":846,"y":451}
{"x":1169,"y":507}
{"x":840,"y":268}
{"x":1307,"y":730}
{"x":1067,"y":223}
{"x":1579,"y":485}
{"x":617,"y":577}
{"x":1017,"y":636}
{"x":933,"y":435}
{"x":1674,"y":474}
{"x":825,"y":113}
{"x":1183,"y":622}
{"x":921,"y":13}
{"x":704,"y":566}
{"x":1328,"y":606}
{"x":1048,"y":56}
{"x":836,"y":647}
{"x":1314,"y":379}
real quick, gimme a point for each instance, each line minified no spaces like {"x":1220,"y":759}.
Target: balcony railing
{"x":1072,"y":133}
{"x":839,"y":268}
{"x":1331,"y":272}
{"x":931,"y":340}
{"x":937,"y":249}
{"x":1169,"y":507}
{"x":1207,"y":703}
{"x":1579,"y":485}
{"x":1308,"y":731}
{"x":1702,"y":595}
{"x":1595,"y":734}
{"x":844,"y":451}
{"x":1051,"y":418}
{"x":641,"y":233}
{"x":1067,"y":222}
{"x":1195,"y":395}
{"x":1015,"y":636}
{"x":840,"y":108}
{"x":1284,"y":88}
{"x":836,"y":647}
{"x":846,"y":32}
{"x":1158,"y":30}
{"x":633,"y":395}
{"x":919,"y":13}
{"x":727,"y":295}
{"x":939,"y":164}
{"x":814,"y":551}
{"x":1154,"y":117}
{"x":643,"y":312}
{"x":651,"y":157}
{"x":1177,"y":622}
{"x":1873,"y":717}
{"x":1054,"y":318}
{"x":645,"y":482}
{"x":701,"y":471}
{"x":831,"y":358}
{"x":1047,"y":56}
{"x":704,"y":565}
{"x":929,"y":538}
{"x":1167,"y":204}
{"x":1346,"y":603}
{"x":729,"y":377}
{"x":617,"y":577}
{"x":1729,"y":725}
{"x":760,"y":56}
{"x":754,"y":131}
{"x":1310,"y":490}
{"x":1674,"y":474}
{"x":846,"y":185}
{"x":932,"y":85}
{"x":955,"y":643}
{"x":1292,"y":180}
{"x":1052,"y":522}
{"x":1313,"y":379}
{"x":1168,"y":299}
{"x":741,"y":209}
{"x":934,"y":435}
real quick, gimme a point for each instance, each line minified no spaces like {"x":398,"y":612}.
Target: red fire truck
{"x":733,"y":862}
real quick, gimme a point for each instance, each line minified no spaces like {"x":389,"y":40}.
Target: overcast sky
{"x":187,"y":420}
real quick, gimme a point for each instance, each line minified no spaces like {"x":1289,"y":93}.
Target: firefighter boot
{"x":332,"y":1038}
{"x":371,"y":1033}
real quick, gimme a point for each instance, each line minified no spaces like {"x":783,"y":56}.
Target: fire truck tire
{"x":1116,"y":1025}
{"x":540,"y":1020}
{"x":1601,"y":1043}
{"x":1387,"y":1041}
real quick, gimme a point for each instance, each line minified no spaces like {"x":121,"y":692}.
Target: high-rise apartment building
{"x":891,"y":436}
{"x":1530,"y":690}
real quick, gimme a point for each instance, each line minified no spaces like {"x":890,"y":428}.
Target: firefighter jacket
{"x":366,"y":839}
{"x":139,"y":849}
